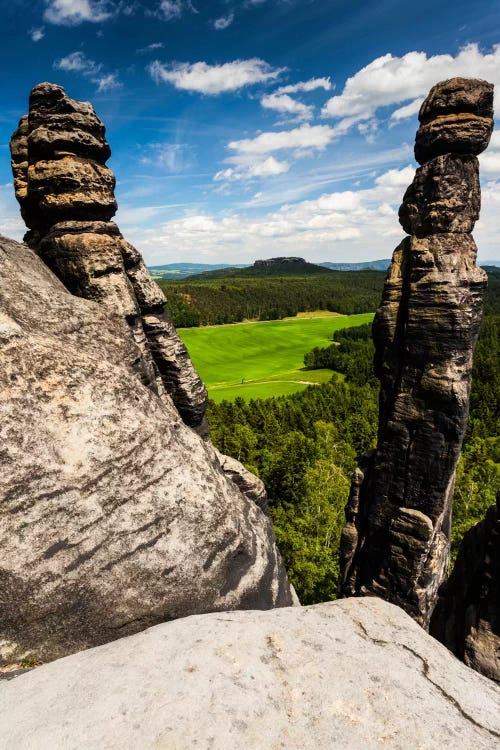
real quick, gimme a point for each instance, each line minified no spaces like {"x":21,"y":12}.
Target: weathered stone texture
{"x":396,"y":540}
{"x":456,"y":117}
{"x":114,"y":515}
{"x":350,"y":675}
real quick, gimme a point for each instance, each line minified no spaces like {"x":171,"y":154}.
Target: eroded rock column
{"x":396,"y":540}
{"x":66,"y":193}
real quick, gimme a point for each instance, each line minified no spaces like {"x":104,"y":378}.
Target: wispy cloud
{"x":253,"y":157}
{"x":266,"y":168}
{"x":173,"y":10}
{"x":170,"y":157}
{"x":305,"y":86}
{"x":286,"y":105}
{"x":150,"y":48}
{"x":214,"y":79}
{"x":37,"y":34}
{"x":77,"y":62}
{"x":75,"y":12}
{"x":223,"y":22}
{"x":315,"y":137}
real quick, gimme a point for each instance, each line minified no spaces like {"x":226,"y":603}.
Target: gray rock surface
{"x":114,"y":515}
{"x":397,"y":537}
{"x":356,"y":674}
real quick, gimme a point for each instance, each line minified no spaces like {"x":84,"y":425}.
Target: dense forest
{"x":305,"y":447}
{"x":195,"y":303}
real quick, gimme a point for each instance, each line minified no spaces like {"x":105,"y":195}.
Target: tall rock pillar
{"x":66,"y":194}
{"x":395,"y":543}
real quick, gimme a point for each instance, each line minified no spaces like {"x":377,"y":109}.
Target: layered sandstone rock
{"x":467,"y":615}
{"x":114,"y":515}
{"x":396,"y":540}
{"x":66,"y":194}
{"x":352,"y":674}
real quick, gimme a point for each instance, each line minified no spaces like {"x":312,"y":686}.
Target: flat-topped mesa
{"x":396,"y":540}
{"x":67,"y":200}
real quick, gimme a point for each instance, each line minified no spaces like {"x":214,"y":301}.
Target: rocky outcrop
{"x":66,"y":194}
{"x":396,"y":540}
{"x":251,"y":486}
{"x":467,"y":615}
{"x":351,"y":674}
{"x":114,"y":515}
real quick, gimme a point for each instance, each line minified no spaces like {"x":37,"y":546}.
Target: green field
{"x":265,"y":359}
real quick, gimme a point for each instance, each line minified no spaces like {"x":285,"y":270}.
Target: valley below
{"x":263,"y":359}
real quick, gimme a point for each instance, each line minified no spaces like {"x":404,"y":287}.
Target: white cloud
{"x":223,"y":22}
{"x":74,"y":12}
{"x":171,"y":10}
{"x":266,"y":168}
{"x":252,"y":157}
{"x":77,"y":62}
{"x":150,"y":47}
{"x":37,"y":34}
{"x":490,"y":159}
{"x":108,"y":82}
{"x":351,"y":224}
{"x":11,"y":224}
{"x":347,"y":224}
{"x":306,"y":136}
{"x":214,"y":79}
{"x":170,"y":157}
{"x":304,"y":86}
{"x":409,"y":110}
{"x":390,"y":80}
{"x":286,"y":105}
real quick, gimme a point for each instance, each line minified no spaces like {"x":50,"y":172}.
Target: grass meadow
{"x":263,"y":359}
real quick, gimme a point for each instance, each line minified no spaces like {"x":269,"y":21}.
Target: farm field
{"x":264,"y":359}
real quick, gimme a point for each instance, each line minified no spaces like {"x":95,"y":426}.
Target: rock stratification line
{"x":395,"y":543}
{"x":66,"y":194}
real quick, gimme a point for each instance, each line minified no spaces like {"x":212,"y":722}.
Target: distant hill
{"x":371,"y":265}
{"x":286,"y":266}
{"x":489,"y":264}
{"x":181,"y":270}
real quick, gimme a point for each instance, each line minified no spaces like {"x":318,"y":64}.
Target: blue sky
{"x":244,"y":129}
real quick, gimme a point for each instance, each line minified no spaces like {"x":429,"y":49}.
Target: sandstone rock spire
{"x":396,"y":540}
{"x":66,"y":194}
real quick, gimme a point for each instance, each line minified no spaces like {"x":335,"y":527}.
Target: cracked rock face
{"x":396,"y":540}
{"x":114,"y":514}
{"x":467,"y":616}
{"x":66,"y":194}
{"x":249,"y":680}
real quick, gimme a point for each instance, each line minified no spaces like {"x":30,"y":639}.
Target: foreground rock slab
{"x":114,"y":515}
{"x":353,"y":674}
